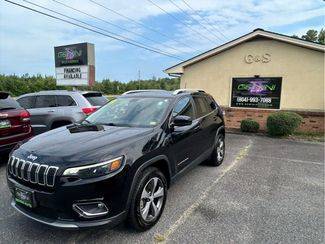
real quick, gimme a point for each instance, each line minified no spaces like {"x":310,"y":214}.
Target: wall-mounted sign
{"x":75,"y":64}
{"x":262,"y":92}
{"x":264,"y":58}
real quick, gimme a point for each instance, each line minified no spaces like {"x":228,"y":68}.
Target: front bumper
{"x":54,"y":207}
{"x":66,"y":224}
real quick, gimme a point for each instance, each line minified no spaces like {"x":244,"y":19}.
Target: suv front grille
{"x":35,"y":173}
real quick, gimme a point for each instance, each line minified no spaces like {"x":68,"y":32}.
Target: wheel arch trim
{"x":141,"y":168}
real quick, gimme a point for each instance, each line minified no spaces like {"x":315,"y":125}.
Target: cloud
{"x":28,"y":39}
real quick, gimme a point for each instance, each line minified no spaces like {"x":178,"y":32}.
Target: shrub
{"x":283,"y":123}
{"x":249,"y":125}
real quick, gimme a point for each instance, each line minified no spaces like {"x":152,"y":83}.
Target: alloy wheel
{"x":152,"y":199}
{"x":220,"y":148}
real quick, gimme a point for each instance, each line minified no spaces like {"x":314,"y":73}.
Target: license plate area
{"x":4,"y":124}
{"x":24,"y":197}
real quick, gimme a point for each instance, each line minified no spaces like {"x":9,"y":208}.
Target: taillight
{"x":24,"y":115}
{"x":89,"y":110}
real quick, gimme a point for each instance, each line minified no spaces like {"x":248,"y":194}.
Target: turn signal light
{"x":89,"y":110}
{"x":115,"y":165}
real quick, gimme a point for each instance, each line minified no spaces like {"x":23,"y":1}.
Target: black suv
{"x":118,"y":163}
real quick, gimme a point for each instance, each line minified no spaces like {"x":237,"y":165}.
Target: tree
{"x":18,"y":85}
{"x":311,"y":35}
{"x":321,"y":36}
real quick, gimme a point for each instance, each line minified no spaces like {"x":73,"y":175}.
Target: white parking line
{"x":287,"y":159}
{"x":242,"y":153}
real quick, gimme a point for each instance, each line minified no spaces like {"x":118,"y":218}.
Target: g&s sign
{"x":264,"y":58}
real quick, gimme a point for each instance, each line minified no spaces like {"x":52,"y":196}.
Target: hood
{"x":64,"y":144}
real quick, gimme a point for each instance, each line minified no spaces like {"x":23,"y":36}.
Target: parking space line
{"x":287,"y":159}
{"x":186,"y":214}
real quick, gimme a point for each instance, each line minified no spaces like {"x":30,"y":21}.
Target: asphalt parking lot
{"x":267,"y":191}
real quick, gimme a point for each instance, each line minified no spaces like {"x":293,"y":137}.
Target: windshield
{"x":137,"y":112}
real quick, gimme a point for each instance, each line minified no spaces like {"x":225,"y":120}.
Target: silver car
{"x":52,"y":109}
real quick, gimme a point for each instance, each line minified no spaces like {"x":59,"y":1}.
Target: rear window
{"x":65,"y":101}
{"x":7,"y":102}
{"x":45,"y":101}
{"x":96,"y":99}
{"x":201,"y":105}
{"x":27,"y":102}
{"x":212,"y":105}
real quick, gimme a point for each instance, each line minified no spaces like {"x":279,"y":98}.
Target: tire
{"x":218,"y":153}
{"x":141,"y":214}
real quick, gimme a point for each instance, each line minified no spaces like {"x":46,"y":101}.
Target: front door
{"x":184,"y":149}
{"x":42,"y":113}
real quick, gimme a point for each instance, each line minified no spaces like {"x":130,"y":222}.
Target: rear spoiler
{"x":4,"y":95}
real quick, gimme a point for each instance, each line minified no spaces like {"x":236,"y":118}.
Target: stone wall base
{"x":312,"y":121}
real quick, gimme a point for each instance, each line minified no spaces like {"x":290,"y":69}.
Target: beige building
{"x":260,"y":73}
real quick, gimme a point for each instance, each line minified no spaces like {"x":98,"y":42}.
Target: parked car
{"x":14,"y":123}
{"x":118,"y":163}
{"x":52,"y":109}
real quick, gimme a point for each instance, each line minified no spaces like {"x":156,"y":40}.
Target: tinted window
{"x":63,"y":100}
{"x":201,"y":106}
{"x":96,"y":99}
{"x":211,"y":104}
{"x":6,"y":102}
{"x":184,"y":107}
{"x":27,"y":102}
{"x":45,"y":101}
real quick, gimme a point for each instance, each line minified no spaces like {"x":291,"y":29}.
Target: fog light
{"x":90,"y":209}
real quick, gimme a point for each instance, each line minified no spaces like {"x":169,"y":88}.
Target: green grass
{"x":309,"y":136}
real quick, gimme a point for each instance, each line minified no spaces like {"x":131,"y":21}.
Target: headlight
{"x":95,"y":170}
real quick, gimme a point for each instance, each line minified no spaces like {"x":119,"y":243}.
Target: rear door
{"x":205,"y":116}
{"x":67,"y":109}
{"x":42,"y":113}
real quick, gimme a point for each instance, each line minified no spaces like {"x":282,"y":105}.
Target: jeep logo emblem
{"x":32,"y":157}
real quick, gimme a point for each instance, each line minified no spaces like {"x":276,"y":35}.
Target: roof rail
{"x":179,"y":91}
{"x":148,"y":90}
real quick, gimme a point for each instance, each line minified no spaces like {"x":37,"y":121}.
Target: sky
{"x":27,"y":39}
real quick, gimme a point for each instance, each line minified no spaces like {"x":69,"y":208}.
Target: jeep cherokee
{"x":118,"y":163}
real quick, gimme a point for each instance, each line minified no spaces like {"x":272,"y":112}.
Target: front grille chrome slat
{"x":35,"y":173}
{"x":9,"y":164}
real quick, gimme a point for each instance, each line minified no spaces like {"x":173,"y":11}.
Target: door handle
{"x":51,"y":111}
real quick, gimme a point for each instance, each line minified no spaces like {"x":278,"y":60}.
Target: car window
{"x":65,"y":100}
{"x":45,"y":101}
{"x":201,"y":106}
{"x":96,"y":99}
{"x":27,"y":102}
{"x":211,"y":103}
{"x":184,"y":107}
{"x":7,"y":102}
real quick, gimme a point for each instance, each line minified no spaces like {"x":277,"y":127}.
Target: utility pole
{"x":139,"y":77}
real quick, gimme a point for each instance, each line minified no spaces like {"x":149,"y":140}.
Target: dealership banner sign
{"x":261,"y":92}
{"x":75,"y":64}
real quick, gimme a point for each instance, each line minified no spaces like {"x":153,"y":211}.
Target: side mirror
{"x":182,"y":120}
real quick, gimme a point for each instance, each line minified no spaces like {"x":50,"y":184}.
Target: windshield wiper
{"x":88,"y":122}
